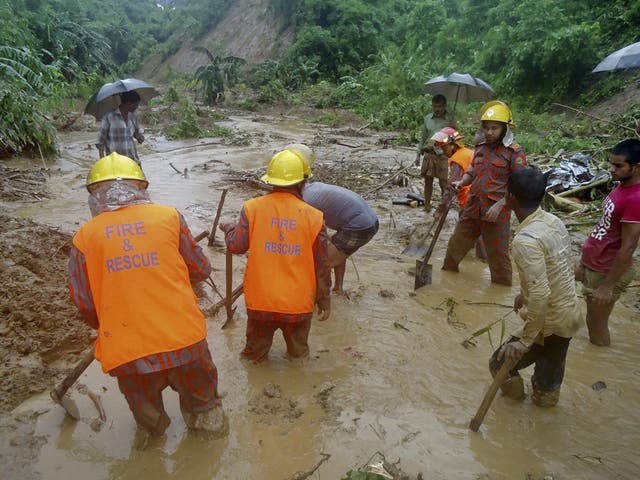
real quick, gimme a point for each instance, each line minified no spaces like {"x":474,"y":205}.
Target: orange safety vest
{"x":280,"y":274}
{"x":462,"y":156}
{"x":140,"y":284}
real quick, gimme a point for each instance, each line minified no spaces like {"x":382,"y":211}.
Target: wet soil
{"x":387,"y":372}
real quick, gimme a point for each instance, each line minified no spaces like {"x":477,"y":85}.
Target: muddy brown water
{"x":387,"y":371}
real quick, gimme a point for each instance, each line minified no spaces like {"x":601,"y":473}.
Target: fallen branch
{"x":565,"y":204}
{"x":375,"y":189}
{"x":466,"y":302}
{"x":173,"y":166}
{"x":308,"y":473}
{"x":596,"y":118}
{"x":339,"y":142}
{"x":239,"y":290}
{"x":186,"y":148}
{"x":568,"y":193}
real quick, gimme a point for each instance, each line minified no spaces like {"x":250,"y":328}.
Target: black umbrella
{"x":627,"y":57}
{"x":107,"y":99}
{"x":463,"y":87}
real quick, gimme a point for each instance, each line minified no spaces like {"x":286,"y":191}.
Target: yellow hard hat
{"x":115,"y":166}
{"x":305,"y":153}
{"x":286,"y":168}
{"x":497,"y":111}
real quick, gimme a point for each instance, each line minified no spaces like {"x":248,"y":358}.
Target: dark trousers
{"x":550,"y":360}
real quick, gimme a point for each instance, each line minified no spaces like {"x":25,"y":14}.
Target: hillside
{"x":248,"y":31}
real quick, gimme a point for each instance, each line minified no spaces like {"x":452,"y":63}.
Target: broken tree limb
{"x":237,"y":292}
{"x":564,"y":204}
{"x":200,"y":236}
{"x":173,"y":166}
{"x":595,"y":118}
{"x":395,"y":174}
{"x":569,"y":193}
{"x":311,"y":471}
{"x":340,"y":142}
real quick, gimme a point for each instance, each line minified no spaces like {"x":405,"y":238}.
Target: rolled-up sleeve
{"x":197,"y":262}
{"x":530,"y":261}
{"x":79,"y":287}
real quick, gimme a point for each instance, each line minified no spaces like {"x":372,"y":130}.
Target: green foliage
{"x":273,"y":92}
{"x":331,"y":119}
{"x":188,"y":125}
{"x":213,"y":76}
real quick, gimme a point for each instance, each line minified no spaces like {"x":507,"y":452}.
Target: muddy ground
{"x":42,"y":337}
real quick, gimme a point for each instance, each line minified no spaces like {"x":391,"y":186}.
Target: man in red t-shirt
{"x":606,"y":267}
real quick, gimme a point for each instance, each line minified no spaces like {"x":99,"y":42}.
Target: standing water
{"x":387,"y":372}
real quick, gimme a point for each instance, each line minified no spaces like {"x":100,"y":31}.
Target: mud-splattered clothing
{"x":542,"y":254}
{"x":490,"y":170}
{"x":199,"y":269}
{"x":295,"y":327}
{"x":237,"y":240}
{"x":189,"y":370}
{"x":196,"y":381}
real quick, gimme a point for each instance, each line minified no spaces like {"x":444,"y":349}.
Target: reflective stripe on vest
{"x":280,"y":273}
{"x":462,"y":157}
{"x":140,"y":284}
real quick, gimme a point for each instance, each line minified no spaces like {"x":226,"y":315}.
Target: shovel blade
{"x":67,"y":403}
{"x":415,"y":251}
{"x":423,"y":274}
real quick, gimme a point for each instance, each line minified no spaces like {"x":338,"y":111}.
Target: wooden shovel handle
{"x":498,"y":380}
{"x":58,"y":392}
{"x":212,"y":235}
{"x":229,"y":284}
{"x":441,"y":221}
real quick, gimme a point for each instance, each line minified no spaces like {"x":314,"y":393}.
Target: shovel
{"x":417,"y":249}
{"x":424,"y":270}
{"x":58,"y":393}
{"x":229,"y":289}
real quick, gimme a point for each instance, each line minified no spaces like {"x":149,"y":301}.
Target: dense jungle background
{"x":371,"y":57}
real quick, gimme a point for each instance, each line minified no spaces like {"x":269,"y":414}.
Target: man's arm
{"x":236,"y":235}
{"x":197,"y":263}
{"x":630,"y":235}
{"x":79,"y":287}
{"x":323,"y":273}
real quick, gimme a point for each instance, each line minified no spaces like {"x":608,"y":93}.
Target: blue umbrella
{"x":108,"y":97}
{"x":627,"y":57}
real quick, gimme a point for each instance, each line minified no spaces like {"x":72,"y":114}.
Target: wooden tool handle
{"x":212,"y":235}
{"x":498,"y":380}
{"x":58,"y":392}
{"x":441,"y":221}
{"x":229,"y":284}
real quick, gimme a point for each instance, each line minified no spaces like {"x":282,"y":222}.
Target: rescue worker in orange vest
{"x":287,"y":270}
{"x":448,"y":141}
{"x":346,"y":212}
{"x":131,"y":269}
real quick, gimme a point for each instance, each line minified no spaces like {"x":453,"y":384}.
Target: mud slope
{"x":248,"y":31}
